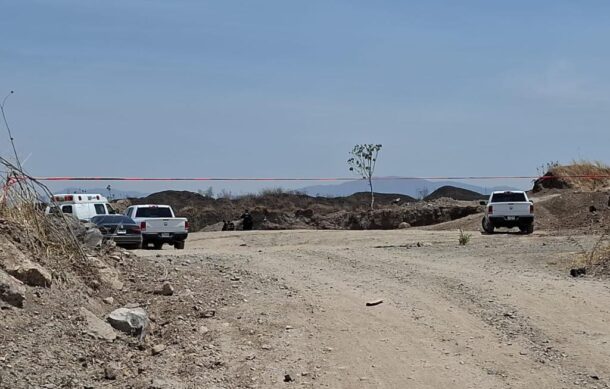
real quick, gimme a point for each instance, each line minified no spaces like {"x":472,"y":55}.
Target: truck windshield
{"x":508,"y":197}
{"x":154,"y":212}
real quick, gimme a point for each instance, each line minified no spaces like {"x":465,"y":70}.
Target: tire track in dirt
{"x":443,"y":322}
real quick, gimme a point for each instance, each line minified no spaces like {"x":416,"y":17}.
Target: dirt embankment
{"x":583,"y":176}
{"x":111,"y":319}
{"x":556,"y":210}
{"x":296,"y":211}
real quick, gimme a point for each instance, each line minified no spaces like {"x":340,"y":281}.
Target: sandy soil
{"x":501,"y":312}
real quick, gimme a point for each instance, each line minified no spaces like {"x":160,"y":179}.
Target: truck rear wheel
{"x":487,"y":226}
{"x":179,"y":245}
{"x":158,"y":245}
{"x":528,"y":229}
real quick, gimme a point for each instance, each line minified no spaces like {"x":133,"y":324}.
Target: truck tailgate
{"x":166,"y":225}
{"x":511,"y":209}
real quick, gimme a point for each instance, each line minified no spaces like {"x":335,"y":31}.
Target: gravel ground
{"x":500,"y":312}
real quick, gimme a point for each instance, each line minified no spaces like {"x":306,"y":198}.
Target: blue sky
{"x":286,"y":88}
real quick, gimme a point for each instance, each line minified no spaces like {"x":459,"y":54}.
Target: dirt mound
{"x":573,"y":210}
{"x":556,"y":211}
{"x":455,"y":193}
{"x":281,"y":210}
{"x":579,"y":176}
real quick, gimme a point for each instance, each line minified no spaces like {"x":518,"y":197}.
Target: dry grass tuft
{"x":464,"y":238}
{"x":22,"y":217}
{"x":596,"y":260}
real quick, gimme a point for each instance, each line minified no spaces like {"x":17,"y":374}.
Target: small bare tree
{"x":363,"y":160}
{"x":422,"y":193}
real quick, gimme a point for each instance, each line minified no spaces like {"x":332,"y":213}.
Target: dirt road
{"x":501,"y":312}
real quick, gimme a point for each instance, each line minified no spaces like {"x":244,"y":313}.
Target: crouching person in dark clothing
{"x":247,"y":220}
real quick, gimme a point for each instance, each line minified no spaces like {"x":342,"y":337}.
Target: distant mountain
{"x":116,"y":193}
{"x":455,"y":193}
{"x":414,"y":187}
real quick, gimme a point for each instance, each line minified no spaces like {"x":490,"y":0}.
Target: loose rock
{"x":93,"y":238}
{"x":157,"y":349}
{"x":96,"y":327}
{"x":15,"y":263}
{"x":111,"y":371}
{"x":32,"y":274}
{"x":577,"y":272}
{"x":132,"y":321}
{"x":165,"y":383}
{"x":166,"y":290}
{"x":12,"y":290}
{"x":208,"y":314}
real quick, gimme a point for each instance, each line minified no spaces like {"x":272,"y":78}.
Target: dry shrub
{"x":47,"y":237}
{"x":464,"y":238}
{"x":582,"y":168}
{"x":596,"y":260}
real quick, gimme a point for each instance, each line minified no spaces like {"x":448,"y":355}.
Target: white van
{"x":82,"y":206}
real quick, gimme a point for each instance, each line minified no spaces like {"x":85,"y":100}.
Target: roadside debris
{"x":374,"y":302}
{"x":578,"y":272}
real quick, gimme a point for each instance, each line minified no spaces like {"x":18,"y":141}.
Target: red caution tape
{"x":311,"y":178}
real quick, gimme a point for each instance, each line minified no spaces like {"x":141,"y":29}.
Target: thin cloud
{"x":560,"y":82}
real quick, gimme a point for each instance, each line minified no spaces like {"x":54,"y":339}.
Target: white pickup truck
{"x":508,"y":209}
{"x":159,"y":225}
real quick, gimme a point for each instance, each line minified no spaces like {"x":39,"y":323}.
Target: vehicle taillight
{"x":186,"y":226}
{"x":531,"y":208}
{"x":490,"y":210}
{"x":143,"y":226}
{"x":135,"y":230}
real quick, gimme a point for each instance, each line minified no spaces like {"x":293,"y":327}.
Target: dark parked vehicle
{"x":120,"y":228}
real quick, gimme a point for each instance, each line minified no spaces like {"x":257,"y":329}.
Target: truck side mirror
{"x":483,"y":202}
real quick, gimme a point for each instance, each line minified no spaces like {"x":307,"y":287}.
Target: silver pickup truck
{"x":508,"y":209}
{"x":159,"y":225}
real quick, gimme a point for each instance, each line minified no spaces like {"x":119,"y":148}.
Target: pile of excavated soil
{"x":268,"y":210}
{"x":574,"y":210}
{"x":584,"y":176}
{"x":555,"y":211}
{"x":296,"y":211}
